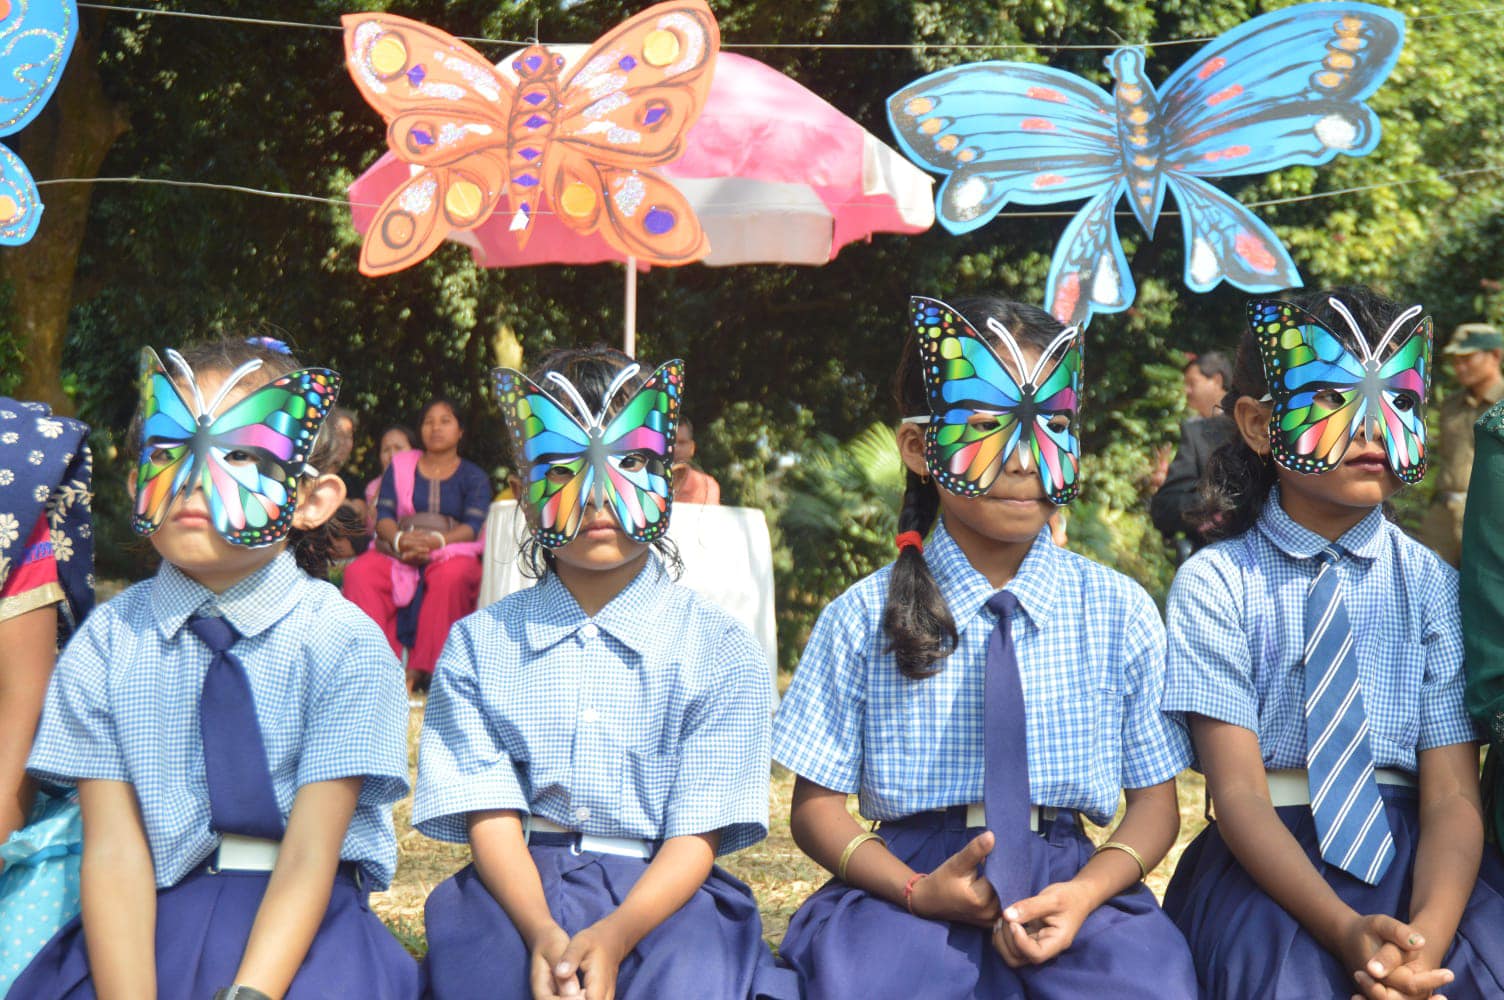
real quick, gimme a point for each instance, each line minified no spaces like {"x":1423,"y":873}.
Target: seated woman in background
{"x":423,"y":573}
{"x":395,"y":438}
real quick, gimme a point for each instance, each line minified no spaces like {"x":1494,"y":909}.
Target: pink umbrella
{"x":775,"y":173}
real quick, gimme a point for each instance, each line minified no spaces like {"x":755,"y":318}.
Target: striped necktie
{"x":1345,"y":800}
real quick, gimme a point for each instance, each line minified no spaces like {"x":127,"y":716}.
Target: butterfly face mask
{"x":1325,"y":395}
{"x":980,"y":413}
{"x":574,"y":457}
{"x":247,"y":459}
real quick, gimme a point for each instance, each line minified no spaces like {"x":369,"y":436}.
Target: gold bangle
{"x":1118,"y":845}
{"x":851,"y":847}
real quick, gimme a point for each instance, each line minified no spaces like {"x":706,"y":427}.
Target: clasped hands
{"x":583,"y":967}
{"x":1028,"y":932}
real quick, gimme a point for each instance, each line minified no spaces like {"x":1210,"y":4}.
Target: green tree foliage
{"x":781,"y":360}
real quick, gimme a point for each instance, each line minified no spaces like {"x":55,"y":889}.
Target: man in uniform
{"x":1475,"y":350}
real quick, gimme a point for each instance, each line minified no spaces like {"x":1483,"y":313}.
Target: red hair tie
{"x":910,"y":540}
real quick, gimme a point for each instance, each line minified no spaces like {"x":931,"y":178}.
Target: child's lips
{"x":1368,"y":463}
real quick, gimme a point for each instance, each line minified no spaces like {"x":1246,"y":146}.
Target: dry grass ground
{"x":779,"y":873}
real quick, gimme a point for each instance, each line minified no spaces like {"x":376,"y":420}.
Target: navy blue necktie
{"x":1345,"y":800}
{"x":1005,"y":787}
{"x":241,"y":798}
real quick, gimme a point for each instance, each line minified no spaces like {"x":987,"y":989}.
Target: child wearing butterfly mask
{"x":236,"y":729}
{"x":601,"y":737}
{"x":1316,"y":653}
{"x":981,"y":695}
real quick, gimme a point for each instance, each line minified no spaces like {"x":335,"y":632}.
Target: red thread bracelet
{"x":908,"y":889}
{"x":909,"y":540}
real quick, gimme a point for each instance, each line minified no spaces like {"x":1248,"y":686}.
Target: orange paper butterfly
{"x":579,"y":142}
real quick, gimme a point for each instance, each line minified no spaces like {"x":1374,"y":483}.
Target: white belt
{"x":626,"y":847}
{"x":245,"y":854}
{"x":1292,"y":786}
{"x":976,"y":816}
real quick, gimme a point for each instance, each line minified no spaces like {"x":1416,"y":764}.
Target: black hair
{"x":591,"y":370}
{"x":916,"y":619}
{"x":413,"y":441}
{"x":1237,"y":481}
{"x":1212,"y":364}
{"x":428,"y":408}
{"x":313,"y":547}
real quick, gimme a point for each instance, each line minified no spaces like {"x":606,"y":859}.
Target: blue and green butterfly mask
{"x":980,"y":413}
{"x":1325,"y":395}
{"x":247,"y":460}
{"x":573,"y":457}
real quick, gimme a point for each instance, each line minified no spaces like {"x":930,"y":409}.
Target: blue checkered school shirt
{"x":649,"y":720}
{"x":123,"y":706}
{"x":1237,"y":637}
{"x":1090,"y":652}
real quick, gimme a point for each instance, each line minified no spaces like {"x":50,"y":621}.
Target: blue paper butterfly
{"x":1282,"y":89}
{"x":35,"y":39}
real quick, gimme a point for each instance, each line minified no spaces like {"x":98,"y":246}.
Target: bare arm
{"x":506,"y":868}
{"x":955,"y":891}
{"x":119,"y":893}
{"x":30,"y":644}
{"x":297,"y":895}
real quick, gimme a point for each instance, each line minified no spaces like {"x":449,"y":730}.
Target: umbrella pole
{"x":629,"y":334}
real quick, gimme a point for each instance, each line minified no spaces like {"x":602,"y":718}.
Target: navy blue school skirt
{"x":1246,"y":945}
{"x":203,"y":924}
{"x":711,"y":949}
{"x":846,"y":943}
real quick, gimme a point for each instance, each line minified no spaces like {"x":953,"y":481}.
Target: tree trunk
{"x":68,"y":139}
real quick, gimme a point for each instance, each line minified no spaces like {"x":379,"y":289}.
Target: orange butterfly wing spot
{"x":434,"y":201}
{"x":636,"y":211}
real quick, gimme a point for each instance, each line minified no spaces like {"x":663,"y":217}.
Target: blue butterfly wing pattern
{"x":1006,"y":132}
{"x":166,"y":462}
{"x":1089,"y":272}
{"x":547,"y":436}
{"x":1225,"y":241}
{"x":1283,"y":89}
{"x":36,"y":37}
{"x":641,"y":498}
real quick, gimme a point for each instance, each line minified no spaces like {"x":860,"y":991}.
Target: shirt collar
{"x":631,"y":616}
{"x":966,"y":590}
{"x":1363,"y":540}
{"x":252,"y":606}
{"x":1489,"y":396}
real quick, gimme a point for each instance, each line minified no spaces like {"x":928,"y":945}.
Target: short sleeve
{"x":817,"y":732}
{"x":357,"y":726}
{"x":386,"y":495}
{"x":76,"y":737}
{"x":463,"y":766}
{"x":475,"y":496}
{"x":722,"y":781}
{"x":1443,"y":715}
{"x":32,"y":582}
{"x":1155,"y":746}
{"x":1208,"y":663}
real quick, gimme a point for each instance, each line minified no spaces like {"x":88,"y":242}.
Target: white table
{"x":728,"y":558}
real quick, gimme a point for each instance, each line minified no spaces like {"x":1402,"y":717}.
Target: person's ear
{"x":911,"y":449}
{"x":1252,"y":418}
{"x":317,"y":501}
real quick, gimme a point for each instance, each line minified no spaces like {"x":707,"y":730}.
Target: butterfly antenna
{"x":1002,"y":334}
{"x":1063,"y":337}
{"x":574,"y":397}
{"x":229,"y":383}
{"x":185,"y":372}
{"x":621,"y":379}
{"x":1352,"y":324}
{"x":1395,"y":327}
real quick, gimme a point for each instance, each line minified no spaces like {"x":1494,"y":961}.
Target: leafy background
{"x":789,"y":367}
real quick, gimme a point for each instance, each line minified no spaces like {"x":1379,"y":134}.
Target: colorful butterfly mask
{"x":1285,"y":88}
{"x":247,"y":459}
{"x":579,"y":141}
{"x":35,"y":39}
{"x":980,"y":414}
{"x":1325,"y":395}
{"x":574,"y":458}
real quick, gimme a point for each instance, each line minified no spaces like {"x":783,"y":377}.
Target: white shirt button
{"x":582,"y":814}
{"x":590,"y":630}
{"x":589,"y":715}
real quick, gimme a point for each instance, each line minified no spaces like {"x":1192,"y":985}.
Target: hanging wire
{"x":940,"y":46}
{"x":1062,"y":214}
